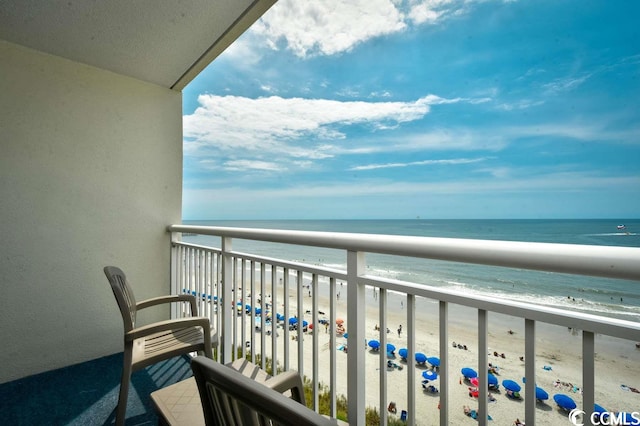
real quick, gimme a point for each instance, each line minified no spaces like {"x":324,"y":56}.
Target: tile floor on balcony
{"x":87,"y":393}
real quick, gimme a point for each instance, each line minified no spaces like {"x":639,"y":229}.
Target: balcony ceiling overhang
{"x":165,"y":42}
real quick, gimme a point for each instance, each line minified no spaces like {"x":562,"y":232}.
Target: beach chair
{"x":230,"y":398}
{"x":149,"y":344}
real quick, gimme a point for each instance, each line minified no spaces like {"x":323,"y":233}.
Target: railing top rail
{"x":602,"y":261}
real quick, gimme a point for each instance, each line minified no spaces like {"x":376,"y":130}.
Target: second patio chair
{"x":230,"y":398}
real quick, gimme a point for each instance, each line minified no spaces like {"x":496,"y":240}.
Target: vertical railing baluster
{"x":234,"y":308}
{"x":332,"y":347}
{"x":382,"y":336}
{"x":243,"y":319}
{"x":263,"y":318}
{"x":588,"y":375}
{"x":252,"y":278}
{"x":483,"y":364}
{"x":411,"y":370}
{"x":529,"y":371}
{"x":444,"y":369}
{"x":227,"y":309}
{"x":299,"y":324}
{"x":355,"y":319}
{"x":314,"y":335}
{"x":274,"y":319}
{"x":173,"y":274}
{"x":285,"y":325}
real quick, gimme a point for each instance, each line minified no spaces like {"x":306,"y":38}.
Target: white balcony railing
{"x":222,"y":274}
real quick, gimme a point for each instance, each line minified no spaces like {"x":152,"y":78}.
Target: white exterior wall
{"x":90,"y":175}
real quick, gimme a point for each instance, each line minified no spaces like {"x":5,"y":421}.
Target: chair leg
{"x":124,"y":391}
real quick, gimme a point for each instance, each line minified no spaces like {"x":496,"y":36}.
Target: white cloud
{"x":554,"y":182}
{"x":240,"y":165}
{"x":452,"y":161}
{"x":293,"y":127}
{"x":560,"y":85}
{"x":327,"y":27}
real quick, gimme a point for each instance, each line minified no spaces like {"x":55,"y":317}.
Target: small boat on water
{"x":621,"y":227}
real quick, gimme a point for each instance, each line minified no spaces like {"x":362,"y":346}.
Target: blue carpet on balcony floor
{"x":87,"y":393}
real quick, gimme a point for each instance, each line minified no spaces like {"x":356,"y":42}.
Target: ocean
{"x":608,"y":297}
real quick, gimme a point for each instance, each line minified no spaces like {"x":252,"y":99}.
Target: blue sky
{"x":329,"y":109}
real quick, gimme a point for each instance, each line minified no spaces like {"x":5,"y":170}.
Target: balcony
{"x":367,"y":303}
{"x":209,"y":266}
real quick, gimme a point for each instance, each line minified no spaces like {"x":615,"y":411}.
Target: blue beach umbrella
{"x":345,"y":335}
{"x":374,"y":344}
{"x":390,"y":347}
{"x":429,"y":375}
{"x":403,"y":353}
{"x":433,"y":360}
{"x":599,"y":409}
{"x":279,"y":317}
{"x":564,"y":401}
{"x":421,"y":358}
{"x":469,"y":373}
{"x":493,"y":380}
{"x":511,"y":385}
{"x":293,"y":321}
{"x":541,"y":394}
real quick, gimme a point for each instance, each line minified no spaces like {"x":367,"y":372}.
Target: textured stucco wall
{"x":90,"y":174}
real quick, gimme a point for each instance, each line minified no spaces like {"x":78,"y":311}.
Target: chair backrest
{"x":230,"y":398}
{"x":124,"y":296}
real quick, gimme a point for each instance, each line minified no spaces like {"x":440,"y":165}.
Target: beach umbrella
{"x":390,"y":347}
{"x":599,"y":409}
{"x":469,"y":373}
{"x":564,"y":401}
{"x":374,"y":344}
{"x":541,"y":394}
{"x":493,"y":380}
{"x":421,"y":358}
{"x":279,"y":317}
{"x":258,"y":311}
{"x":511,"y":385}
{"x":403,"y":353}
{"x":293,"y":321}
{"x":304,"y":323}
{"x":433,"y":360}
{"x":345,"y":335}
{"x":429,"y":375}
{"x":339,"y":321}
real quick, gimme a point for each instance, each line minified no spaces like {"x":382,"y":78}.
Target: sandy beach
{"x":558,"y":350}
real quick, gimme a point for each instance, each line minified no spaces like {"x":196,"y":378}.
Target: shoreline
{"x":616,"y":360}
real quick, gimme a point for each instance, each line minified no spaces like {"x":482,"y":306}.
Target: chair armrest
{"x":288,"y":380}
{"x":170,"y":299}
{"x":174,"y":324}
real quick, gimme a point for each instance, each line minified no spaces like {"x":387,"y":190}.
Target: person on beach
{"x":399,"y":330}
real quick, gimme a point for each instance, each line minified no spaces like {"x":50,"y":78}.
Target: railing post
{"x":227,"y":304}
{"x":355,"y":357}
